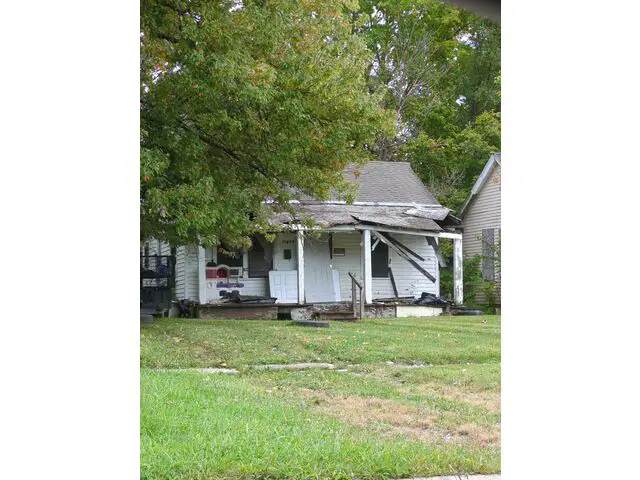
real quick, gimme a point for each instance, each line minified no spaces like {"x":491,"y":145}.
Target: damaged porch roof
{"x":330,"y":215}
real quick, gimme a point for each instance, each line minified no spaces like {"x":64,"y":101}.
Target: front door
{"x":318,"y":277}
{"x":283,"y":285}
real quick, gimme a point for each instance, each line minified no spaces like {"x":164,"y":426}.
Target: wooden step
{"x":338,"y":315}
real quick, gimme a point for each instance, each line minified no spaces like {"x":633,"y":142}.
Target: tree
{"x":438,"y":69}
{"x":243,"y":101}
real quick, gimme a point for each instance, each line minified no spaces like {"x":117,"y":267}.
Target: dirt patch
{"x":392,"y":418}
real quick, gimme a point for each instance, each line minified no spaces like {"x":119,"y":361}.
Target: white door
{"x":318,"y":276}
{"x":283,"y":285}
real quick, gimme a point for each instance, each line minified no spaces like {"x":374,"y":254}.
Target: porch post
{"x":202,"y":278}
{"x":300,"y":256}
{"x":367,"y":279}
{"x":457,"y":271}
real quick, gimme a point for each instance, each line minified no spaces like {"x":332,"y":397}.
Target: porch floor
{"x":274,"y":311}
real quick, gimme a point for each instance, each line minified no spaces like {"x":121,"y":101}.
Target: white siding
{"x":156,"y":247}
{"x":483,"y":213}
{"x":349,"y":263}
{"x":181,"y":261}
{"x":409,"y":281}
{"x":285,"y":241}
{"x":187,"y":272}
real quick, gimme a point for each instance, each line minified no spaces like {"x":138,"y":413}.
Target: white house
{"x":387,"y":240}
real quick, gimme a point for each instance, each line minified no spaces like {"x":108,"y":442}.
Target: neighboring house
{"x":481,"y":227}
{"x":387,"y":239}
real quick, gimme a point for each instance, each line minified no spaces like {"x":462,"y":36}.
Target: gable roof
{"x":389,"y":194}
{"x":390,"y":182}
{"x":493,"y":161}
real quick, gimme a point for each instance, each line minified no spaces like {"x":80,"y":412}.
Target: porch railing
{"x":157,"y":270}
{"x":358,"y":308}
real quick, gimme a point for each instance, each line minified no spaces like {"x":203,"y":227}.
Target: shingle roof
{"x":390,"y":182}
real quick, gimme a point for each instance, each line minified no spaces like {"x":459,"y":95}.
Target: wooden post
{"x":300,"y":256}
{"x":353,"y":299}
{"x":458,"y":297}
{"x":202,"y":277}
{"x":367,"y":280}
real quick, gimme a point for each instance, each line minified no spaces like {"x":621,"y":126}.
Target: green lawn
{"x":211,"y":343}
{"x":368,"y":418}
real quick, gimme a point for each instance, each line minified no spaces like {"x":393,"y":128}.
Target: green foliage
{"x":439,"y":69}
{"x":471,"y":278}
{"x":253,"y":100}
{"x":243,"y":104}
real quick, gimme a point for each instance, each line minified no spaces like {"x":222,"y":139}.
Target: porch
{"x":321,"y":311}
{"x":350,"y":267}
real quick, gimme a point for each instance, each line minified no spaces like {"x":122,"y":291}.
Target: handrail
{"x":354,"y":283}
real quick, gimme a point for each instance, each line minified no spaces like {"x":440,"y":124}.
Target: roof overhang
{"x":482,"y":179}
{"x":326,"y":216}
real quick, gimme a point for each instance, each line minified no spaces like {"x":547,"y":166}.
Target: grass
{"x":211,"y":343}
{"x":369,"y":419}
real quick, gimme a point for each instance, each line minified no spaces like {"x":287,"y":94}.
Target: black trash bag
{"x":430,"y":299}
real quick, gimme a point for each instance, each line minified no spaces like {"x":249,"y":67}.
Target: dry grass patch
{"x":489,"y":400}
{"x":391,"y":418}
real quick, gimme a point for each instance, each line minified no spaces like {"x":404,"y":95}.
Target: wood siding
{"x":187,"y":273}
{"x":409,"y":281}
{"x":484,"y":213}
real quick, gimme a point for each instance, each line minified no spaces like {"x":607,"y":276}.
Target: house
{"x":383,"y":245}
{"x":481,"y":229}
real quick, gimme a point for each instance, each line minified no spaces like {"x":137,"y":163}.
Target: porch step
{"x":339,"y":315}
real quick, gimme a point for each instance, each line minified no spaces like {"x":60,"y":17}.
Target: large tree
{"x":243,"y":101}
{"x":438,"y":69}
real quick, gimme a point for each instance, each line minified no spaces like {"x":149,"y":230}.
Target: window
{"x":260,"y":258}
{"x":380,"y":261}
{"x":228,"y":257}
{"x":488,"y":254}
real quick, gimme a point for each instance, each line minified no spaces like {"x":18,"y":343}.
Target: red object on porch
{"x":222,"y":273}
{"x":217,"y":272}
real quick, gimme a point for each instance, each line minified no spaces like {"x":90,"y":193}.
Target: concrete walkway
{"x":294,"y":366}
{"x":459,"y":477}
{"x":233,"y":371}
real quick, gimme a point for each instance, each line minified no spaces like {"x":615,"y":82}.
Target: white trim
{"x":202,"y":278}
{"x":352,"y":228}
{"x":458,"y":296}
{"x":367,"y":204}
{"x":452,"y":236}
{"x":300,"y":257}
{"x":367,"y":276}
{"x":495,"y":158}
